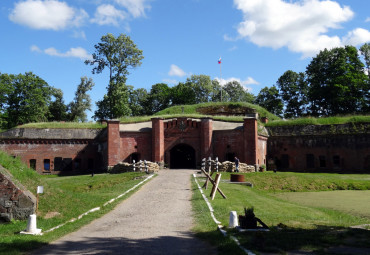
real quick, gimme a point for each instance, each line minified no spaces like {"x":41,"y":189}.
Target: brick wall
{"x":74,"y":155}
{"x":324,"y":148}
{"x":114,"y":143}
{"x":262,"y":150}
{"x":182,"y":131}
{"x":157,"y":140}
{"x":250,"y":141}
{"x":135,"y":142}
{"x":55,"y":150}
{"x":206,"y":132}
{"x":228,"y":143}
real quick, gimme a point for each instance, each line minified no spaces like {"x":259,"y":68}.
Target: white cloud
{"x":49,"y":15}
{"x":176,"y":71}
{"x":367,"y":19}
{"x":231,"y":39}
{"x":34,"y":48}
{"x":233,"y":48}
{"x":244,"y":83}
{"x":357,"y":37}
{"x":301,"y":26}
{"x":79,"y":34}
{"x":135,"y":7}
{"x":78,"y":52}
{"x":107,"y":14}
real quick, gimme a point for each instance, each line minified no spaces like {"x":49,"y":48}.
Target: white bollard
{"x":32,"y":226}
{"x":233,"y":219}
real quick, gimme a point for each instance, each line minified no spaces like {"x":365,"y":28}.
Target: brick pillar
{"x":250,"y":140}
{"x":157,"y":140}
{"x":206,"y":130}
{"x":113,"y":142}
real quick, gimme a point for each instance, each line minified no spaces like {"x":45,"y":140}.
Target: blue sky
{"x":258,"y":40}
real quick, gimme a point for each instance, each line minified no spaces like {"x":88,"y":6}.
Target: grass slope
{"x":296,"y":224}
{"x":192,"y":109}
{"x":64,"y":198}
{"x":92,"y":125}
{"x":321,"y":121}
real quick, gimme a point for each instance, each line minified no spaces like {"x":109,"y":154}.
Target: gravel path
{"x":155,"y":220}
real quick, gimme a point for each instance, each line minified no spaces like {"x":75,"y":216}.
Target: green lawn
{"x":296,"y":219}
{"x":64,"y":198}
{"x":354,"y":202}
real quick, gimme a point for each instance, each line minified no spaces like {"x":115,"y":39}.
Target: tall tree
{"x":28,"y":98}
{"x":293,"y":90}
{"x":57,"y":108}
{"x":5,"y":90}
{"x":159,"y":98}
{"x":118,"y":54}
{"x":202,"y":87}
{"x":137,"y":101}
{"x":337,"y":82}
{"x":269,"y":99}
{"x":365,"y":52}
{"x":81,"y":102}
{"x":235,"y":92}
{"x":182,"y":93}
{"x":216,"y":91}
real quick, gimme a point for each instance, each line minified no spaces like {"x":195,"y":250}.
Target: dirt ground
{"x":157,"y":219}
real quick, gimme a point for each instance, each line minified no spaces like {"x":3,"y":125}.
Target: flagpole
{"x":221,"y":79}
{"x":220,"y":63}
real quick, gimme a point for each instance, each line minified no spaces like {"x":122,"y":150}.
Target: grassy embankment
{"x":54,"y":124}
{"x":64,"y":198}
{"x":321,"y":121}
{"x":191,"y":111}
{"x":306,"y":212}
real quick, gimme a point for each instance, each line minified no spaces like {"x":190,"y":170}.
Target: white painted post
{"x":217,"y":164}
{"x":233,"y":219}
{"x":204,"y":163}
{"x":133,"y":162}
{"x":32,"y":226}
{"x":209,"y":164}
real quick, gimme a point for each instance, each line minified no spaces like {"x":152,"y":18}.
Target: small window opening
{"x":310,"y":160}
{"x":33,"y":164}
{"x":322,"y":160}
{"x":47,"y":164}
{"x":336,"y":161}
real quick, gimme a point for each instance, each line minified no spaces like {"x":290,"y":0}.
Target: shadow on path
{"x":120,"y":245}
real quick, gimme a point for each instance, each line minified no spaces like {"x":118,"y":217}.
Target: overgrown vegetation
{"x":93,"y":125}
{"x":191,"y":111}
{"x":60,"y":195}
{"x":320,"y":121}
{"x":295,"y":225}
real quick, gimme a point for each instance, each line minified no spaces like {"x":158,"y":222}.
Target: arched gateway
{"x":182,"y":156}
{"x":182,"y":142}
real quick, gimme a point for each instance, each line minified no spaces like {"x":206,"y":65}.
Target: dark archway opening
{"x":230,"y":156}
{"x":182,"y":156}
